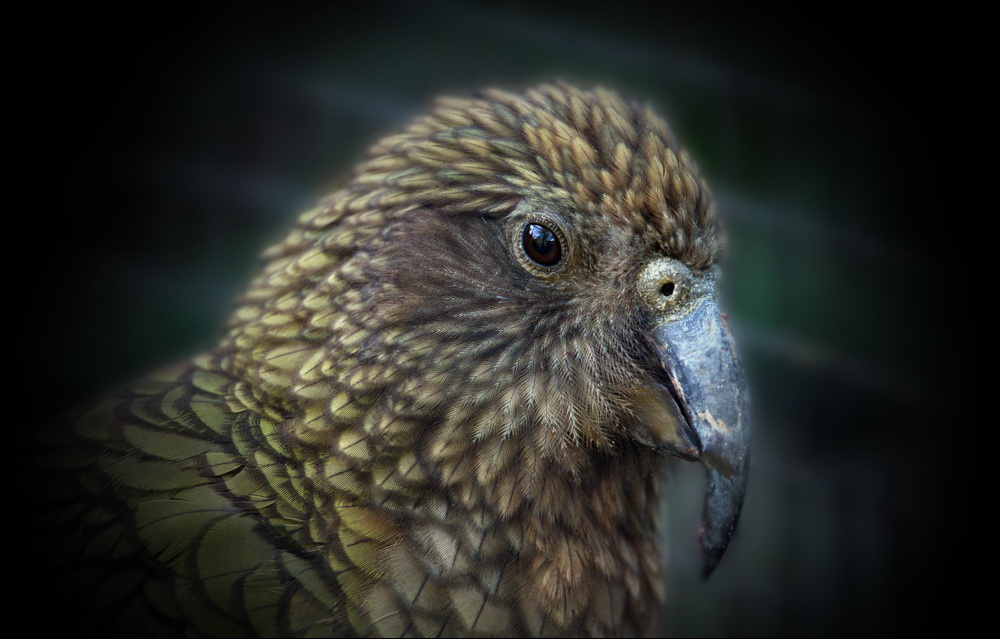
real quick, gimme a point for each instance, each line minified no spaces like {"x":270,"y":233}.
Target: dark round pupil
{"x":541,"y":245}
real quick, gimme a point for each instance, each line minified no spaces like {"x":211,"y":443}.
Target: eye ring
{"x":550,"y":232}
{"x":541,"y":245}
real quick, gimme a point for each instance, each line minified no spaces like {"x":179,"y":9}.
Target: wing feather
{"x":166,"y":510}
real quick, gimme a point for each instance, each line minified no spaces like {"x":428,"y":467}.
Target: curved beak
{"x":705,"y":389}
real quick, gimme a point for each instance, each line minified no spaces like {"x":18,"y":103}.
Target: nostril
{"x":667,"y":289}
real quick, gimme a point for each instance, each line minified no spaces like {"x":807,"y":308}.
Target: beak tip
{"x":721,"y":514}
{"x":711,"y":555}
{"x":707,"y":568}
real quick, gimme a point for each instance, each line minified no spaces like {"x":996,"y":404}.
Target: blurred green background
{"x":185,"y":143}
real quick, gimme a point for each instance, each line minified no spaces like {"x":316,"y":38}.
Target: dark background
{"x":173,"y":147}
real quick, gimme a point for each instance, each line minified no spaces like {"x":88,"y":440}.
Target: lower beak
{"x":702,"y":375}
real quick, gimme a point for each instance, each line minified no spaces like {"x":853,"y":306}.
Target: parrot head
{"x":525,"y":290}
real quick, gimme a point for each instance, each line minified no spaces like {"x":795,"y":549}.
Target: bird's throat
{"x":580,"y":546}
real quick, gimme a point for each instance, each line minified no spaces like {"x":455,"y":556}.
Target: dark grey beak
{"x":708,"y":388}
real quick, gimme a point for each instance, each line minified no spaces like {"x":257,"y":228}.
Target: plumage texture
{"x":405,"y":430}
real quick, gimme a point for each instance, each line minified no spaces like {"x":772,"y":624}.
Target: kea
{"x":442,"y":408}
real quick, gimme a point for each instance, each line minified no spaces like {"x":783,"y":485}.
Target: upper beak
{"x":704,"y":387}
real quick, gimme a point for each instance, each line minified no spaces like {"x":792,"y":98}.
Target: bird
{"x":443,"y":406}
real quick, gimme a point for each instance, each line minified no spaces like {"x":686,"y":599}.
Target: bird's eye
{"x":541,"y":245}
